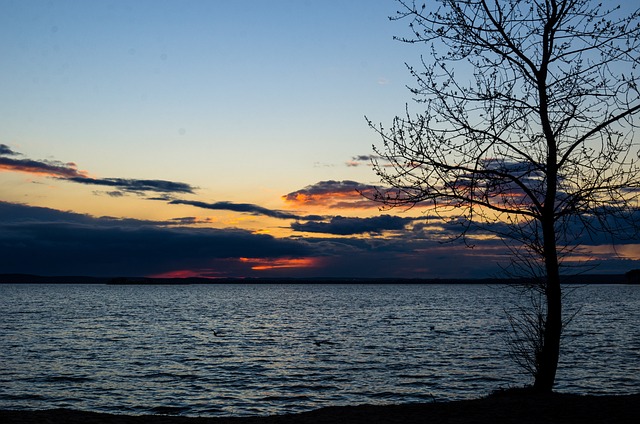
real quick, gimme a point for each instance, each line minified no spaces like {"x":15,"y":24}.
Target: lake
{"x":269,"y":349}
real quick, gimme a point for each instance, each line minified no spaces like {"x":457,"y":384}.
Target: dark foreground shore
{"x":505,"y":408}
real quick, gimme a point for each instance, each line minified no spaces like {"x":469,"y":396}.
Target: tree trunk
{"x":547,"y":360}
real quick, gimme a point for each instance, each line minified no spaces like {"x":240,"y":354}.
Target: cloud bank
{"x":50,"y":242}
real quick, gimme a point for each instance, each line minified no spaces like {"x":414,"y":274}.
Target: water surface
{"x":267,"y":349}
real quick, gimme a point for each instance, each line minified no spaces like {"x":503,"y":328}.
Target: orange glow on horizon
{"x":261,"y":264}
{"x":182,"y":273}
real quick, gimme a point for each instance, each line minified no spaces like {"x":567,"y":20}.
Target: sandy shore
{"x":511,"y":408}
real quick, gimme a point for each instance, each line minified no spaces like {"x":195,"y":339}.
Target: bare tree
{"x":526,"y":130}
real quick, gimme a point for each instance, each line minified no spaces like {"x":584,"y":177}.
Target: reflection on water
{"x":251,"y":349}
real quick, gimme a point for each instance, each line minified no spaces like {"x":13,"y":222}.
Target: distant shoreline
{"x":39,"y":279}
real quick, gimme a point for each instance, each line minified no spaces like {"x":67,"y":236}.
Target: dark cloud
{"x":163,"y":198}
{"x":6,"y":150}
{"x":247,"y":208}
{"x":19,"y":213}
{"x":603,"y":226}
{"x":340,"y":225}
{"x":132,"y":185}
{"x":363,"y":158}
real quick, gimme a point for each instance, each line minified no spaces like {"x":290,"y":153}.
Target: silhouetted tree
{"x":526,"y":130}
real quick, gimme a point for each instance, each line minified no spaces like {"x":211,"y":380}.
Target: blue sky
{"x":202,"y":90}
{"x":253,"y":106}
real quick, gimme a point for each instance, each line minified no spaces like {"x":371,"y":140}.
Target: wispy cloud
{"x":190,"y":220}
{"x":361,"y":160}
{"x":46,"y":168}
{"x":113,"y":193}
{"x":134,"y":185}
{"x":69,"y":172}
{"x":246,"y":208}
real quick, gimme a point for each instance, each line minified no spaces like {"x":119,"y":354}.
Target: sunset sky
{"x":212,"y":138}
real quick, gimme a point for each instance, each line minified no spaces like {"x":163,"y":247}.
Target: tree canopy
{"x":526,"y":128}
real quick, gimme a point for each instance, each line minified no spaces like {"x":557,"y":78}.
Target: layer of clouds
{"x":50,"y":242}
{"x":69,"y":172}
{"x":45,"y":241}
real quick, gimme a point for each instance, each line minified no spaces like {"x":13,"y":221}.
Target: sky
{"x":213,"y":138}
